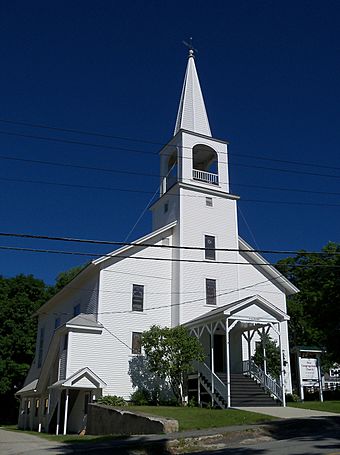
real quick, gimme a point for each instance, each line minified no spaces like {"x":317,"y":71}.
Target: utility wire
{"x":109,"y":147}
{"x":158,"y":259}
{"x":160,"y":307}
{"x":148,"y":174}
{"x":126,"y":190}
{"x":125,"y":138}
{"x":137,"y":244}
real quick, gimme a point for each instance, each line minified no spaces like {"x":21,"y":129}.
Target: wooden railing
{"x":213,"y":384}
{"x":204,"y":176}
{"x":268,"y":383}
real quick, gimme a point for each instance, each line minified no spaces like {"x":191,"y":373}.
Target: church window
{"x":210,"y":290}
{"x":166,"y":207}
{"x":41,"y":346}
{"x":136,"y":343}
{"x":37,"y":405}
{"x":208,"y":201}
{"x":209,"y":245}
{"x":137,"y":297}
{"x":45,"y":406}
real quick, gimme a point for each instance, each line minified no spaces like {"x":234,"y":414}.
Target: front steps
{"x":245,"y":391}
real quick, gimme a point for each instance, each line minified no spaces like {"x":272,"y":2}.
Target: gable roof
{"x":136,"y":243}
{"x":266,"y":269}
{"x":93,"y":265}
{"x":31,"y":387}
{"x":83,"y":378}
{"x":231,"y":308}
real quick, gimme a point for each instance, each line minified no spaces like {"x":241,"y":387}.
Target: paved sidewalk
{"x":288,"y":412}
{"x":15,"y":443}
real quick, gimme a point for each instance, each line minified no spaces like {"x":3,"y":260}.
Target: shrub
{"x":192,"y":403}
{"x":141,"y":397}
{"x":292,"y":397}
{"x":112,"y":400}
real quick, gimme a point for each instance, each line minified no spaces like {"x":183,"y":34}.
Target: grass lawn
{"x":198,"y":418}
{"x":188,"y":419}
{"x":70,"y":438}
{"x":327,"y":406}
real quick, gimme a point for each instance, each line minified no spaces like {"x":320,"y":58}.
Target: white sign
{"x":309,"y":371}
{"x":334,"y":372}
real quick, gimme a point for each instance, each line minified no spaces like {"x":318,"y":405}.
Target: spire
{"x":192,"y":115}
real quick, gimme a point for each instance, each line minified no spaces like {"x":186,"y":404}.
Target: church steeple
{"x":192,"y":115}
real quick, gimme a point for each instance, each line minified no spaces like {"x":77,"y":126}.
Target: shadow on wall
{"x":143,"y":379}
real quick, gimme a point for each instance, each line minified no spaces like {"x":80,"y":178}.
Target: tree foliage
{"x":315,"y":310}
{"x":20,"y":297}
{"x":272,"y":355}
{"x":170,"y":353}
{"x":65,"y":277}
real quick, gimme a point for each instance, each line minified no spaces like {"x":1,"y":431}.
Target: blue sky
{"x":270,"y":75}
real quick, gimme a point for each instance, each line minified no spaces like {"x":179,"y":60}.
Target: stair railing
{"x":249,"y":367}
{"x":214,"y":381}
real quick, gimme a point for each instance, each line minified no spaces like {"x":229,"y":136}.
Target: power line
{"x":148,"y":174}
{"x":109,"y":147}
{"x":77,"y":166}
{"x":147,"y":258}
{"x":125,"y":138}
{"x":137,"y":244}
{"x":140,"y":191}
{"x":160,"y":307}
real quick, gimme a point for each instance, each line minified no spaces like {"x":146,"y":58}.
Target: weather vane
{"x":190,"y":46}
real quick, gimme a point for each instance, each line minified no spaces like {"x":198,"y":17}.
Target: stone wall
{"x":103,"y":419}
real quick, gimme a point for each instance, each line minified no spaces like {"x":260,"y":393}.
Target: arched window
{"x":205,"y":164}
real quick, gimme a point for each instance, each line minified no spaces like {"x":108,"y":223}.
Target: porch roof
{"x":230,"y":310}
{"x":31,"y":387}
{"x":81,"y":379}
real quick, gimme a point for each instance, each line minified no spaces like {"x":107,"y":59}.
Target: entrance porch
{"x":229,"y":377}
{"x":69,"y":399}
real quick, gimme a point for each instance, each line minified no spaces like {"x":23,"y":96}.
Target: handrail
{"x":219,"y":386}
{"x":266,"y":381}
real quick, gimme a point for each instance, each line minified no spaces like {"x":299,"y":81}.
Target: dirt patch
{"x":218,"y":441}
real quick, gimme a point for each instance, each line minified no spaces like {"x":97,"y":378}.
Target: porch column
{"x":282,"y":368}
{"x":49,"y":402}
{"x":319,"y":376}
{"x":264,"y":351}
{"x":249,"y":348}
{"x":228,"y":361}
{"x":212,"y":362}
{"x":66,"y":411}
{"x":58,"y":414}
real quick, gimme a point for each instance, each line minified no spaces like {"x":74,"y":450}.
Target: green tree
{"x":272,"y":355}
{"x":20,"y":297}
{"x":65,"y":277}
{"x":315,"y":311}
{"x":170,"y":353}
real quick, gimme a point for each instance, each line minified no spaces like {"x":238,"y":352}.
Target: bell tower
{"x":192,"y":157}
{"x":194,"y":192}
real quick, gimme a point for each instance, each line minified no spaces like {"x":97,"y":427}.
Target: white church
{"x":201,"y":275}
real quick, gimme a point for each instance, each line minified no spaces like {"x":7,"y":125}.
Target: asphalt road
{"x":286,"y":437}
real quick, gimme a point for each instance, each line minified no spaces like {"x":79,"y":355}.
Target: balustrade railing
{"x":215,"y":382}
{"x":204,"y":176}
{"x":268,"y":383}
